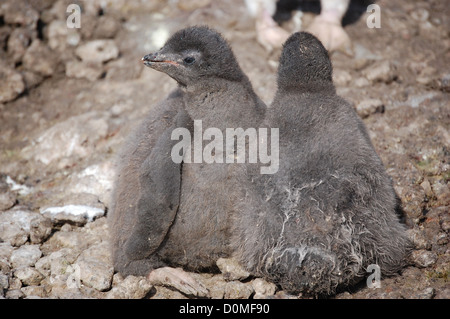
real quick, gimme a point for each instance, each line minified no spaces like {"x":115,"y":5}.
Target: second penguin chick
{"x":333,"y":210}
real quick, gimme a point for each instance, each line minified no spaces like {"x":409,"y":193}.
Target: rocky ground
{"x":68,"y":97}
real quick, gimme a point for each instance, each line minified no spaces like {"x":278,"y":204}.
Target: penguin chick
{"x":217,"y":93}
{"x":331,"y":209}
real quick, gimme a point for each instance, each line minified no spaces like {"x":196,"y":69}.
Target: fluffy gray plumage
{"x":184,"y":212}
{"x":330,"y":210}
{"x":147,"y":189}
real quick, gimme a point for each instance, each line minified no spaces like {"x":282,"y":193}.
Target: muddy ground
{"x":69,"y":97}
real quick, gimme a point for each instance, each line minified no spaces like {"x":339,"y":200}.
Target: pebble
{"x":97,"y":51}
{"x":380,"y":71}
{"x":29,"y":276}
{"x":263,"y":289}
{"x":132,"y":287}
{"x":25,"y":256}
{"x":231,"y":269}
{"x":424,"y":258}
{"x":341,"y":77}
{"x":238,"y":290}
{"x":369,"y":106}
{"x":17,"y":225}
{"x":11,"y":83}
{"x":84,"y":70}
{"x":40,"y":59}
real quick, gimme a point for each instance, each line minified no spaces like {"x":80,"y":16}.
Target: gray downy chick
{"x":331,"y":210}
{"x":190,"y":224}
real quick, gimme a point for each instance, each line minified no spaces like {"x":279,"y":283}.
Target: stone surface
{"x":25,"y":256}
{"x":40,"y":59}
{"x":231,"y":269}
{"x":381,"y":71}
{"x":98,"y":51}
{"x":131,"y":287}
{"x":11,"y":83}
{"x":369,"y":106}
{"x":29,"y":276}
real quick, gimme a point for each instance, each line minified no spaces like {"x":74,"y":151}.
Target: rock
{"x":131,"y":287}
{"x":98,"y":51}
{"x":31,"y":79}
{"x":14,"y":294}
{"x":5,"y":251}
{"x":442,"y":191}
{"x":427,"y":188}
{"x":190,"y":5}
{"x":75,"y":214}
{"x":11,"y":83}
{"x":25,"y":256}
{"x":427,"y":293}
{"x":61,"y":38}
{"x":238,"y":290}
{"x":418,"y":238}
{"x":95,"y":267}
{"x":18,"y":42}
{"x":263,"y":289}
{"x":424,"y":258}
{"x":341,"y":77}
{"x":75,"y":137}
{"x":7,"y":200}
{"x":231,"y":269}
{"x":19,"y":12}
{"x":216,"y":286}
{"x":40,"y":59}
{"x":84,"y":70}
{"x":4,"y":282}
{"x":17,"y":225}
{"x":361,"y":82}
{"x":29,"y":276}
{"x":381,"y":71}
{"x":445,"y":83}
{"x":369,"y":106}
{"x":34,"y":292}
{"x":106,"y":28}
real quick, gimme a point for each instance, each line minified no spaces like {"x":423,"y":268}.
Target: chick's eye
{"x":189,"y":60}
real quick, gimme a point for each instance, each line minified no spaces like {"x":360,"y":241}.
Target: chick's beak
{"x":158,"y":59}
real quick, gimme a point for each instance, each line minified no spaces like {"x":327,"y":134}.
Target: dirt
{"x":409,"y":124}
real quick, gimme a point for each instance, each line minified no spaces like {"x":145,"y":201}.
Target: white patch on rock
{"x":76,"y":213}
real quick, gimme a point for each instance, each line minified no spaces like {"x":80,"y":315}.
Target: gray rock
{"x":5,"y":250}
{"x":98,"y":51}
{"x":7,"y":200}
{"x":84,"y":70}
{"x":418,"y":238}
{"x":95,"y":267}
{"x":76,"y":214}
{"x":263,"y":289}
{"x":424,"y":258}
{"x":18,"y":42}
{"x":29,"y":276}
{"x":40,"y":59}
{"x":95,"y":274}
{"x":4,"y":281}
{"x":427,"y":293}
{"x":74,"y":137}
{"x":238,"y":290}
{"x":341,"y":77}
{"x":34,"y":292}
{"x":25,"y":256}
{"x":107,"y":27}
{"x":231,"y":269}
{"x":131,"y":287}
{"x":369,"y":106}
{"x":11,"y":83}
{"x":19,"y":12}
{"x":380,"y":71}
{"x":17,"y":225}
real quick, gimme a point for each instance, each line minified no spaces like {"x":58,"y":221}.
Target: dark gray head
{"x":193,"y":54}
{"x":304,"y":64}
